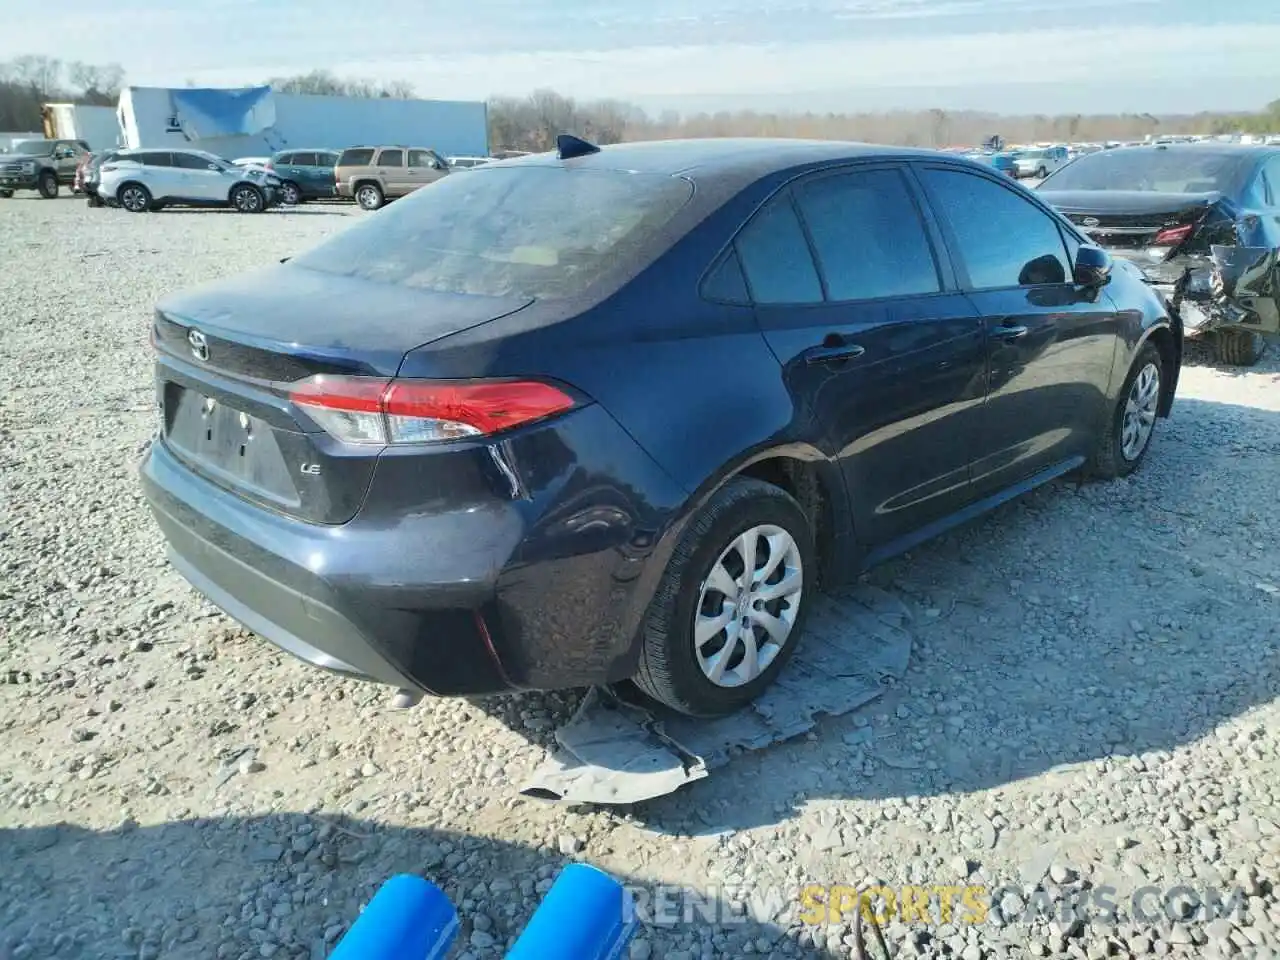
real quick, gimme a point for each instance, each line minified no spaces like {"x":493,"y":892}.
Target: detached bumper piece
{"x":617,"y":750}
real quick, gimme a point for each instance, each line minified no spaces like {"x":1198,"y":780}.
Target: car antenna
{"x":568,"y":147}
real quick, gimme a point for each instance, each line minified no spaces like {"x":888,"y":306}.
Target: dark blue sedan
{"x":619,"y":413}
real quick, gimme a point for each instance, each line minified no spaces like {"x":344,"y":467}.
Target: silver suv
{"x":142,"y":180}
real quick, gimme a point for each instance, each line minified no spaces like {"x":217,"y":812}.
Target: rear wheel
{"x":1239,"y":348}
{"x":247,"y":198}
{"x":135,"y":198}
{"x":1127,"y":438}
{"x":369,"y":196}
{"x":1041,"y":173}
{"x":732,"y":603}
{"x":5,"y":194}
{"x":48,"y":185}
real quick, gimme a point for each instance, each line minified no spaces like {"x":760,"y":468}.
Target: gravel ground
{"x":1090,"y":706}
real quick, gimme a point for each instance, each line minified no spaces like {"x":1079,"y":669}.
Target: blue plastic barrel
{"x":586,"y":915}
{"x":409,"y":918}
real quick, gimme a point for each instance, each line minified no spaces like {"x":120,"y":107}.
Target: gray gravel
{"x":1090,"y":709}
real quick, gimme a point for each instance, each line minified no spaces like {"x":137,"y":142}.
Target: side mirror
{"x":1093,"y":266}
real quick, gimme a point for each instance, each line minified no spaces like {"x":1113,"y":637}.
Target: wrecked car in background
{"x":1199,"y":220}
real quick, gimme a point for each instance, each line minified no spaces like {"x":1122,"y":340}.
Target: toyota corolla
{"x":609,"y":414}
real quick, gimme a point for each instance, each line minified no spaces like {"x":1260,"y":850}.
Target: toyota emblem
{"x":199,"y":345}
{"x":1089,"y":222}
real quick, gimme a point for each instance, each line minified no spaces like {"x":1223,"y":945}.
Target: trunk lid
{"x":1129,"y":220}
{"x":227,"y":352}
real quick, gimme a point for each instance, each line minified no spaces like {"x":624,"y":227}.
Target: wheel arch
{"x":1168,"y":342}
{"x":806,"y":474}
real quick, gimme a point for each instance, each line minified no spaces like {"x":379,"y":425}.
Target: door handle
{"x":1008,"y":331}
{"x":833,"y":353}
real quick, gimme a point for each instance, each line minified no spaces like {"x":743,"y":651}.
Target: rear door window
{"x":391,"y":158}
{"x":775,"y":255}
{"x":156,"y":159}
{"x":303,"y":160}
{"x":868,"y":237}
{"x":1004,"y":240}
{"x":189,"y":161}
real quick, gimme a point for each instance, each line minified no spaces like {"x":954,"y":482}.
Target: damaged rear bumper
{"x":1232,"y":287}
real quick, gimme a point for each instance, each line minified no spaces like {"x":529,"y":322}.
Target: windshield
{"x":33,"y":148}
{"x":522,"y":231}
{"x":1160,"y":171}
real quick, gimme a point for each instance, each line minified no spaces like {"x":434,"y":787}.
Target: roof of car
{"x":741,"y":156}
{"x":1225,"y":149}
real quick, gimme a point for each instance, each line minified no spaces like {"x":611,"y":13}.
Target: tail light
{"x":269,"y":165}
{"x":1172,"y":236}
{"x":369,"y":410}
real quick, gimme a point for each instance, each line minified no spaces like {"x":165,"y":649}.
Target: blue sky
{"x":1045,"y":56}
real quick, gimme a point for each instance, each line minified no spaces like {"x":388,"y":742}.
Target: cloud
{"x":1180,"y":53}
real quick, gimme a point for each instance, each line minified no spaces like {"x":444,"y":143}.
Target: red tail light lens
{"x":369,"y":410}
{"x":1172,"y":236}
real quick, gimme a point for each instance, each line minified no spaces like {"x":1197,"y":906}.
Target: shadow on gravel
{"x":1117,"y":628}
{"x":285,"y":886}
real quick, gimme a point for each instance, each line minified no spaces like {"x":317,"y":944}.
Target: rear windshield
{"x":524,"y":231}
{"x":1161,"y":171}
{"x":355,"y":158}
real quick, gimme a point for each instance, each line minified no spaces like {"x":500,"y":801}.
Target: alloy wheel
{"x":1140,"y":410}
{"x":289,"y":194}
{"x":247,"y":200}
{"x":748,"y":605}
{"x":133,"y":200}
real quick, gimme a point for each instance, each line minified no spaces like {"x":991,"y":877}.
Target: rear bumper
{"x":541,"y":590}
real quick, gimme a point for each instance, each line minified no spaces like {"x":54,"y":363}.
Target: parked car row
{"x":146,"y":180}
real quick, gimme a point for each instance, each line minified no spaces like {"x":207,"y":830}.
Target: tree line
{"x":533,"y":122}
{"x":30,"y":81}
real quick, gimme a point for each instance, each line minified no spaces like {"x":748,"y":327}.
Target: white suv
{"x":142,"y":180}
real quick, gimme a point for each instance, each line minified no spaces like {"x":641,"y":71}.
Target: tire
{"x":5,"y":194}
{"x":1041,"y":173}
{"x":1239,"y":348}
{"x":48,"y":185}
{"x":290,"y":194}
{"x":1114,"y":456}
{"x":369,"y":196}
{"x":246,"y":198}
{"x":134,"y":197}
{"x":670,"y":668}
